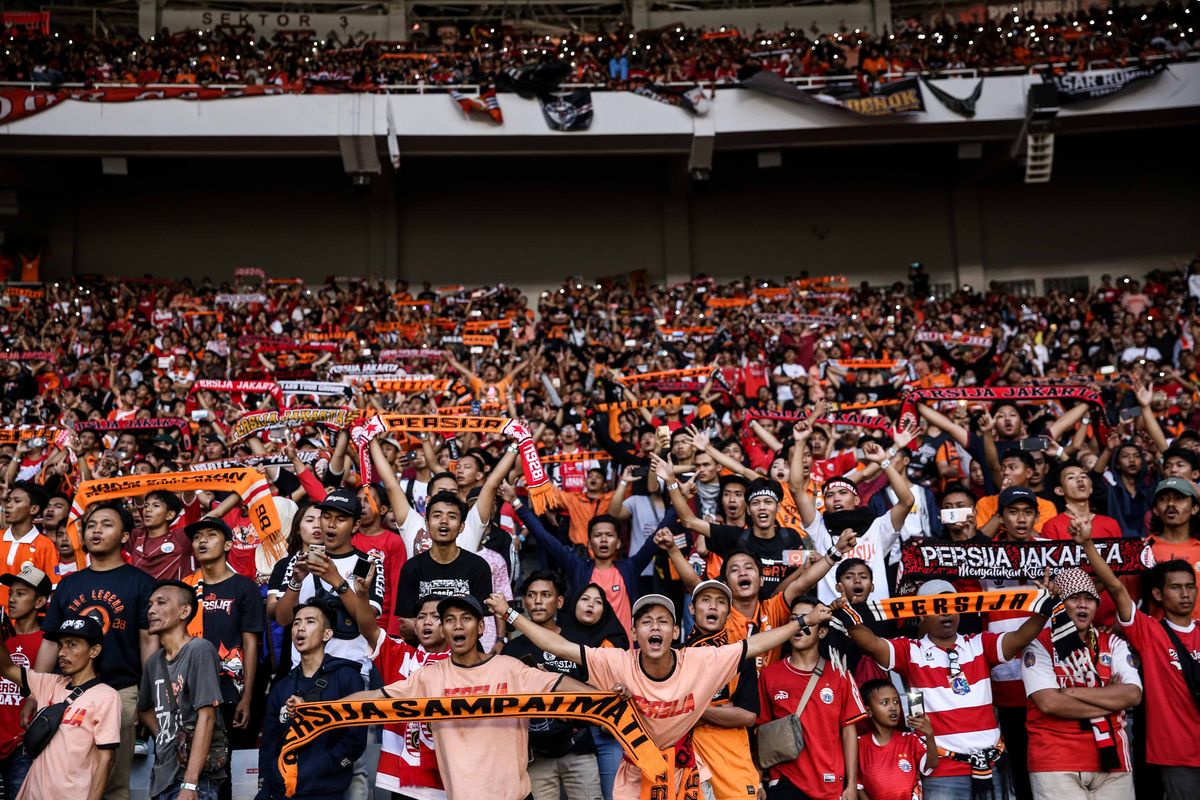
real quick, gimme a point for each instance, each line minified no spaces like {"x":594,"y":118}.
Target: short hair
{"x":849,"y":563}
{"x":118,"y":508}
{"x":189,"y":593}
{"x":1156,"y":576}
{"x":729,"y":557}
{"x":872,"y":686}
{"x":429,"y":598}
{"x":168,"y":499}
{"x":37,"y":495}
{"x":438,"y":476}
{"x":560,"y":585}
{"x":446,"y":497}
{"x":598,"y":471}
{"x":326,"y":612}
{"x":600,"y":519}
{"x":957,"y":488}
{"x":812,"y":601}
{"x":1022,"y":456}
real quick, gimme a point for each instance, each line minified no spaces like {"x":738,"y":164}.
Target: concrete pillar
{"x":397,"y":21}
{"x":382,"y":228}
{"x":148,"y":18}
{"x":677,"y":225}
{"x":881,"y":16}
{"x":639,"y":14}
{"x":968,"y":237}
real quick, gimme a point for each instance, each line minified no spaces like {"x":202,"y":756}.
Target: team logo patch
{"x":167,"y":547}
{"x":549,"y":656}
{"x":827,"y":695}
{"x":960,"y":685}
{"x":780,"y":695}
{"x":905,"y":765}
{"x":1105,"y":660}
{"x":1030,"y":658}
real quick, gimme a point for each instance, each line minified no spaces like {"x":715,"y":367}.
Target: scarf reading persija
{"x":606,"y":709}
{"x":250,"y":485}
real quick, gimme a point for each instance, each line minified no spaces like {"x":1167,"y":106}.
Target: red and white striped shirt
{"x":960,"y":710}
{"x":407,"y":761}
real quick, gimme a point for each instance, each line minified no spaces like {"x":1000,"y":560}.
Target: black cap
{"x":342,"y":501}
{"x":86,"y":627}
{"x":209,"y":523}
{"x":1017,"y":494}
{"x":465,"y":602}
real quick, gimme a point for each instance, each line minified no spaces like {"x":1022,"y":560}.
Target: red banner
{"x":18,"y":103}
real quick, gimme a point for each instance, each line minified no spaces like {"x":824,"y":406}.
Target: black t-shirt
{"x":552,"y":738}
{"x":232,"y":607}
{"x":119,"y":599}
{"x":771,"y":552}
{"x":468,"y":574}
{"x":975,"y":448}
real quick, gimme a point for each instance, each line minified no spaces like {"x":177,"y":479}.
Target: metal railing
{"x":803,"y":82}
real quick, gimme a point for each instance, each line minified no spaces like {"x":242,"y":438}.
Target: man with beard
{"x":563,"y":753}
{"x":1170,"y":656}
{"x":1079,"y":687}
{"x":952,"y":671}
{"x":721,"y":737}
{"x":118,"y":594}
{"x":672,"y":688}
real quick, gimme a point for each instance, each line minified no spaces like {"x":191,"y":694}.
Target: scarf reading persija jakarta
{"x":250,"y":485}
{"x":606,"y":709}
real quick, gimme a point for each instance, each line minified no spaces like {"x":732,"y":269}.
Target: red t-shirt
{"x":1102,"y":528}
{"x":840,"y":464}
{"x":1172,"y":718}
{"x":23,"y":649}
{"x":390,"y":554}
{"x":407,"y":757}
{"x":820,"y":771}
{"x":891,"y":771}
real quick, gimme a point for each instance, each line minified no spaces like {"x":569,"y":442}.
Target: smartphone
{"x":201,"y":414}
{"x":796,"y":558}
{"x":319,"y":549}
{"x":37,"y":442}
{"x":1033,"y":443}
{"x":1108,"y":370}
{"x":664,"y":436}
{"x":955,"y":516}
{"x":361,"y":568}
{"x":916,"y":704}
{"x":1133,"y":412}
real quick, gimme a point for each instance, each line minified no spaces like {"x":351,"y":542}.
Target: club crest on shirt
{"x":827,"y":695}
{"x":1105,"y":659}
{"x":960,"y":685}
{"x":1030,"y":658}
{"x":780,"y":695}
{"x":904,"y":764}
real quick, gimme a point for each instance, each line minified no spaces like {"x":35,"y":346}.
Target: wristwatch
{"x":833,"y":555}
{"x":887,"y":462}
{"x":343,"y":587}
{"x":511,"y":616}
{"x":190,"y":786}
{"x":516,"y":503}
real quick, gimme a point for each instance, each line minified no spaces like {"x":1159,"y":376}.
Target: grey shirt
{"x":192,"y":678}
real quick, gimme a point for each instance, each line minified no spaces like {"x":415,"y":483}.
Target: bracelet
{"x":1086,"y":420}
{"x":672,"y":486}
{"x":512,"y":616}
{"x":833,"y":555}
{"x":622,"y":482}
{"x":295,"y":587}
{"x":887,"y":462}
{"x":891,"y":452}
{"x":512,"y":448}
{"x":516,"y":503}
{"x":189,"y":786}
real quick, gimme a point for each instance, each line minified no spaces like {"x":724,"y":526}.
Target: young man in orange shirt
{"x":23,"y":543}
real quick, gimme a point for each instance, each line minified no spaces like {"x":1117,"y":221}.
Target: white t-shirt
{"x":872,"y":547}
{"x":783,"y":391}
{"x":418,"y":540}
{"x":644,"y":522}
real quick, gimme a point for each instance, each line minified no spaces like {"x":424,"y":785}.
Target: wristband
{"x":512,"y":448}
{"x":189,"y":786}
{"x":516,"y":503}
{"x":891,"y":452}
{"x":295,"y":587}
{"x":887,"y":462}
{"x":512,"y":616}
{"x":672,"y":486}
{"x":833,"y":555}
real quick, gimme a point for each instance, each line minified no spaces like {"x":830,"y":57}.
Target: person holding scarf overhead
{"x":1079,"y":687}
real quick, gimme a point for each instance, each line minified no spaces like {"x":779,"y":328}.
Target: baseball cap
{"x":1184,"y":487}
{"x":209,"y":523}
{"x":32,"y":576}
{"x":647,"y":600}
{"x":342,"y":501}
{"x":86,"y":627}
{"x":1017,"y":494}
{"x":712,"y":584}
{"x":937,"y":586}
{"x":465,"y":602}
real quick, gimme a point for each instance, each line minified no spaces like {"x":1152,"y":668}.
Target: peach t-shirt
{"x":670,"y":707}
{"x":498,"y":774}
{"x":65,"y":768}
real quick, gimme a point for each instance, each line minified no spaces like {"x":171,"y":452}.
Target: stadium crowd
{"x":739,"y":505}
{"x":611,"y":58}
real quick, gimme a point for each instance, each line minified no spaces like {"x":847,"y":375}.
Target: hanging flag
{"x":898,"y":97}
{"x":571,"y":112}
{"x":486,"y":104}
{"x":1078,"y":87}
{"x":692,"y":100}
{"x":964,"y":107}
{"x":539,"y":81}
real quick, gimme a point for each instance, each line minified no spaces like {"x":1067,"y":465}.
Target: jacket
{"x":325,"y":764}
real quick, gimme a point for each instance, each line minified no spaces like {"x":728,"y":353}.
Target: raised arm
{"x":767,"y":641}
{"x":665,"y":541}
{"x":391,"y":484}
{"x":904,"y":497}
{"x":486,"y":503}
{"x":1081,"y":534}
{"x":539,"y":636}
{"x":803,"y":582}
{"x":616,"y":506}
{"x":1145,"y":394}
{"x":700,"y":442}
{"x":1068,"y":421}
{"x":686,"y":516}
{"x":564,"y":556}
{"x":957,"y":432}
{"x":765,"y":436}
{"x":357,"y":603}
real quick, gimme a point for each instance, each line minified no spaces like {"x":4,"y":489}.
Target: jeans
{"x":574,"y":774}
{"x":13,"y":770}
{"x":118,"y":779}
{"x":608,"y":759}
{"x":207,"y":791}
{"x":958,"y":787}
{"x":1181,"y":783}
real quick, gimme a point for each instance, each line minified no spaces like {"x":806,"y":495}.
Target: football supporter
{"x":893,"y":762}
{"x":1016,"y":472}
{"x":27,"y":593}
{"x":23,"y":543}
{"x":160,"y":547}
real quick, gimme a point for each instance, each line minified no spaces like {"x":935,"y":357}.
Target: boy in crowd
{"x":27,"y":593}
{"x":77,"y":760}
{"x":180,"y":691}
{"x":22,"y":542}
{"x":892,"y":762}
{"x":160,"y":547}
{"x":325,"y":769}
{"x":118,"y":594}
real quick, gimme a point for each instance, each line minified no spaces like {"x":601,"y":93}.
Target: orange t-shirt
{"x":32,"y":548}
{"x":491,"y":392}
{"x":1188,"y":551}
{"x":670,"y":707}
{"x":770,"y":614}
{"x":987,"y":507}
{"x":458,"y":743}
{"x":581,"y":509}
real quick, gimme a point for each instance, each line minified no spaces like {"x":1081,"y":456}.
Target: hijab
{"x":607,"y":628}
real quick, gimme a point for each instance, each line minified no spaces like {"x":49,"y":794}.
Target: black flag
{"x":571,"y":112}
{"x":897,"y":97}
{"x":540,"y":80}
{"x":964,"y":107}
{"x":1077,"y":87}
{"x":692,"y":100}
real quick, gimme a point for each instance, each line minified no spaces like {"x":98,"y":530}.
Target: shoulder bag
{"x":782,"y":740}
